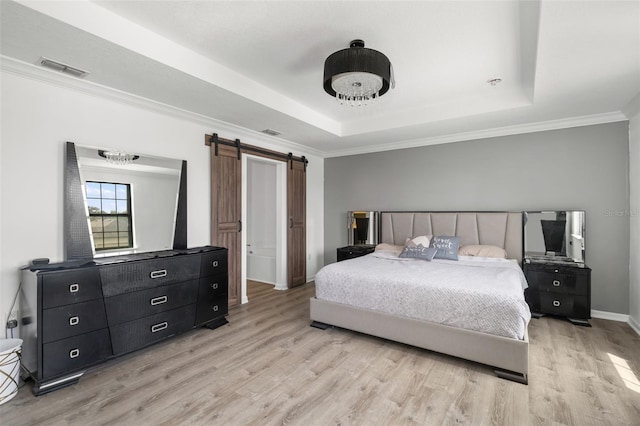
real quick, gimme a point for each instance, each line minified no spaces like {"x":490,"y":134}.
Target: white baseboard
{"x":635,"y":325}
{"x":612,"y":316}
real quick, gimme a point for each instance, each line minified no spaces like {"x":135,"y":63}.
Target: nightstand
{"x":559,"y":289}
{"x":351,"y":252}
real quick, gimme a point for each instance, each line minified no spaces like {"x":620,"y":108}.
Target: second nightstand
{"x":351,"y":252}
{"x":559,"y":289}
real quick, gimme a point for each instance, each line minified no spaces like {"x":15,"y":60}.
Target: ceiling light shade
{"x":118,"y":157}
{"x":357,"y":75}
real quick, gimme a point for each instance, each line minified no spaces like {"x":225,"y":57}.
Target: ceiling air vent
{"x":59,"y":66}
{"x":271,"y":132}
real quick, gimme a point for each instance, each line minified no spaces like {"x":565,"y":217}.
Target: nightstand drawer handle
{"x":215,"y":308}
{"x":159,"y":274}
{"x":74,"y":321}
{"x":158,"y":300}
{"x":556,"y":283}
{"x":556,"y":303}
{"x":159,"y":327}
{"x":74,"y":353}
{"x":214,"y":286}
{"x":215,"y":263}
{"x":73,"y":288}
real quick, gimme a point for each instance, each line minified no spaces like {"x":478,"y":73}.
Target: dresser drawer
{"x":211,"y":307}
{"x":558,"y":282}
{"x":70,"y":286}
{"x":75,"y":353}
{"x":144,"y":331}
{"x":130,"y":306}
{"x":214,"y":262}
{"x":145,"y":274}
{"x":72,"y":320}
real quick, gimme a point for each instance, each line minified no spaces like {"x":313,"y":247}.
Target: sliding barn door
{"x":226,"y":187}
{"x":296,"y":222}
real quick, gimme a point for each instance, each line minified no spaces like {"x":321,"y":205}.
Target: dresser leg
{"x":581,"y":322}
{"x":216,"y":323}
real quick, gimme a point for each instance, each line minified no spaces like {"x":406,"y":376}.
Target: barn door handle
{"x":239,"y":226}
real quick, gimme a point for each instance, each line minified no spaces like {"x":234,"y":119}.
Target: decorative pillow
{"x":422,"y":239}
{"x":388,"y":247}
{"x":418,"y":251}
{"x":483,"y":251}
{"x":447,"y":247}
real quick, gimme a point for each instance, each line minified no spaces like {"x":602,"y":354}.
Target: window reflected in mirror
{"x":109,"y":207}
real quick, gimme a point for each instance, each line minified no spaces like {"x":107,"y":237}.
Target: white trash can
{"x":9,"y":368}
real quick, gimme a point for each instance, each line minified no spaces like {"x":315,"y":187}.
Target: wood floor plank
{"x":268,"y":367}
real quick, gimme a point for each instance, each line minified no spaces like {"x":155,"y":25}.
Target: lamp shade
{"x":357,"y":72}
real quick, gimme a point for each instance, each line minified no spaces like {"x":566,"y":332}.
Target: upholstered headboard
{"x":502,"y":229}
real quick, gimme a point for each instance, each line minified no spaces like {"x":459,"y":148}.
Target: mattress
{"x":474,"y":293}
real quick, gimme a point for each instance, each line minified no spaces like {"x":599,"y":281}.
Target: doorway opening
{"x":264,"y":213}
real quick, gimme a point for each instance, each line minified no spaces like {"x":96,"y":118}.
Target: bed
{"x":473,"y":308}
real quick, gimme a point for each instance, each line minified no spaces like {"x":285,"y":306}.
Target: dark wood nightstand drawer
{"x":70,"y":286}
{"x":75,"y":353}
{"x":144,"y":331}
{"x":556,"y":304}
{"x":72,"y":320}
{"x":558,"y":282}
{"x":130,"y":306}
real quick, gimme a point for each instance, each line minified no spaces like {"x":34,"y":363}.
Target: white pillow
{"x":425,"y":240}
{"x":483,"y":251}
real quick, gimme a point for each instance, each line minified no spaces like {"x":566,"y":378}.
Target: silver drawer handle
{"x":555,"y":270}
{"x":214,"y":263}
{"x":556,"y":283}
{"x":556,"y":303}
{"x":158,"y":300}
{"x":214,"y":286}
{"x":74,"y":321}
{"x":215,"y":308}
{"x":73,"y":288}
{"x":74,"y":353}
{"x":159,"y":327}
{"x":159,"y":274}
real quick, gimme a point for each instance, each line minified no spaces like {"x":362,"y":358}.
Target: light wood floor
{"x":269,"y":367}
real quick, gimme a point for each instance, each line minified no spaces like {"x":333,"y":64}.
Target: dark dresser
{"x":77,"y":314}
{"x":560,"y":289}
{"x":351,"y":252}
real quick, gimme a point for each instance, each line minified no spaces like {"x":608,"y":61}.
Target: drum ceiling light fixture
{"x":357,"y":76}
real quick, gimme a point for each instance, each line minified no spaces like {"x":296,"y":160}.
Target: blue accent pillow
{"x":418,"y":251}
{"x":447,"y":247}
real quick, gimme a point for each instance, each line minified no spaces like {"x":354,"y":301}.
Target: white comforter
{"x":475,"y":293}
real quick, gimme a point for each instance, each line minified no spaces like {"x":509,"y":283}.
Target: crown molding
{"x":517,"y":129}
{"x":31,"y":71}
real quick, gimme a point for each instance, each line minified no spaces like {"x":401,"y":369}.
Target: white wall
{"x":261,"y":204}
{"x":40,"y":111}
{"x":634,"y":226}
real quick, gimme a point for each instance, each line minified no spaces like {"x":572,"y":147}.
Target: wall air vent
{"x":271,"y":132}
{"x":59,"y":66}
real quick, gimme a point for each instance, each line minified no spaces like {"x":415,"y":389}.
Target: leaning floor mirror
{"x":122,"y":203}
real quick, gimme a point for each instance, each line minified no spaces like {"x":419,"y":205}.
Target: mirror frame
{"x":77,"y":236}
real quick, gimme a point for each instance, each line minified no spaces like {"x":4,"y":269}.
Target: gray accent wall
{"x":582,"y":168}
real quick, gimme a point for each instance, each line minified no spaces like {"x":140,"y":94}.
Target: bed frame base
{"x":509,"y":356}
{"x":514,"y":377}
{"x":320,"y":325}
